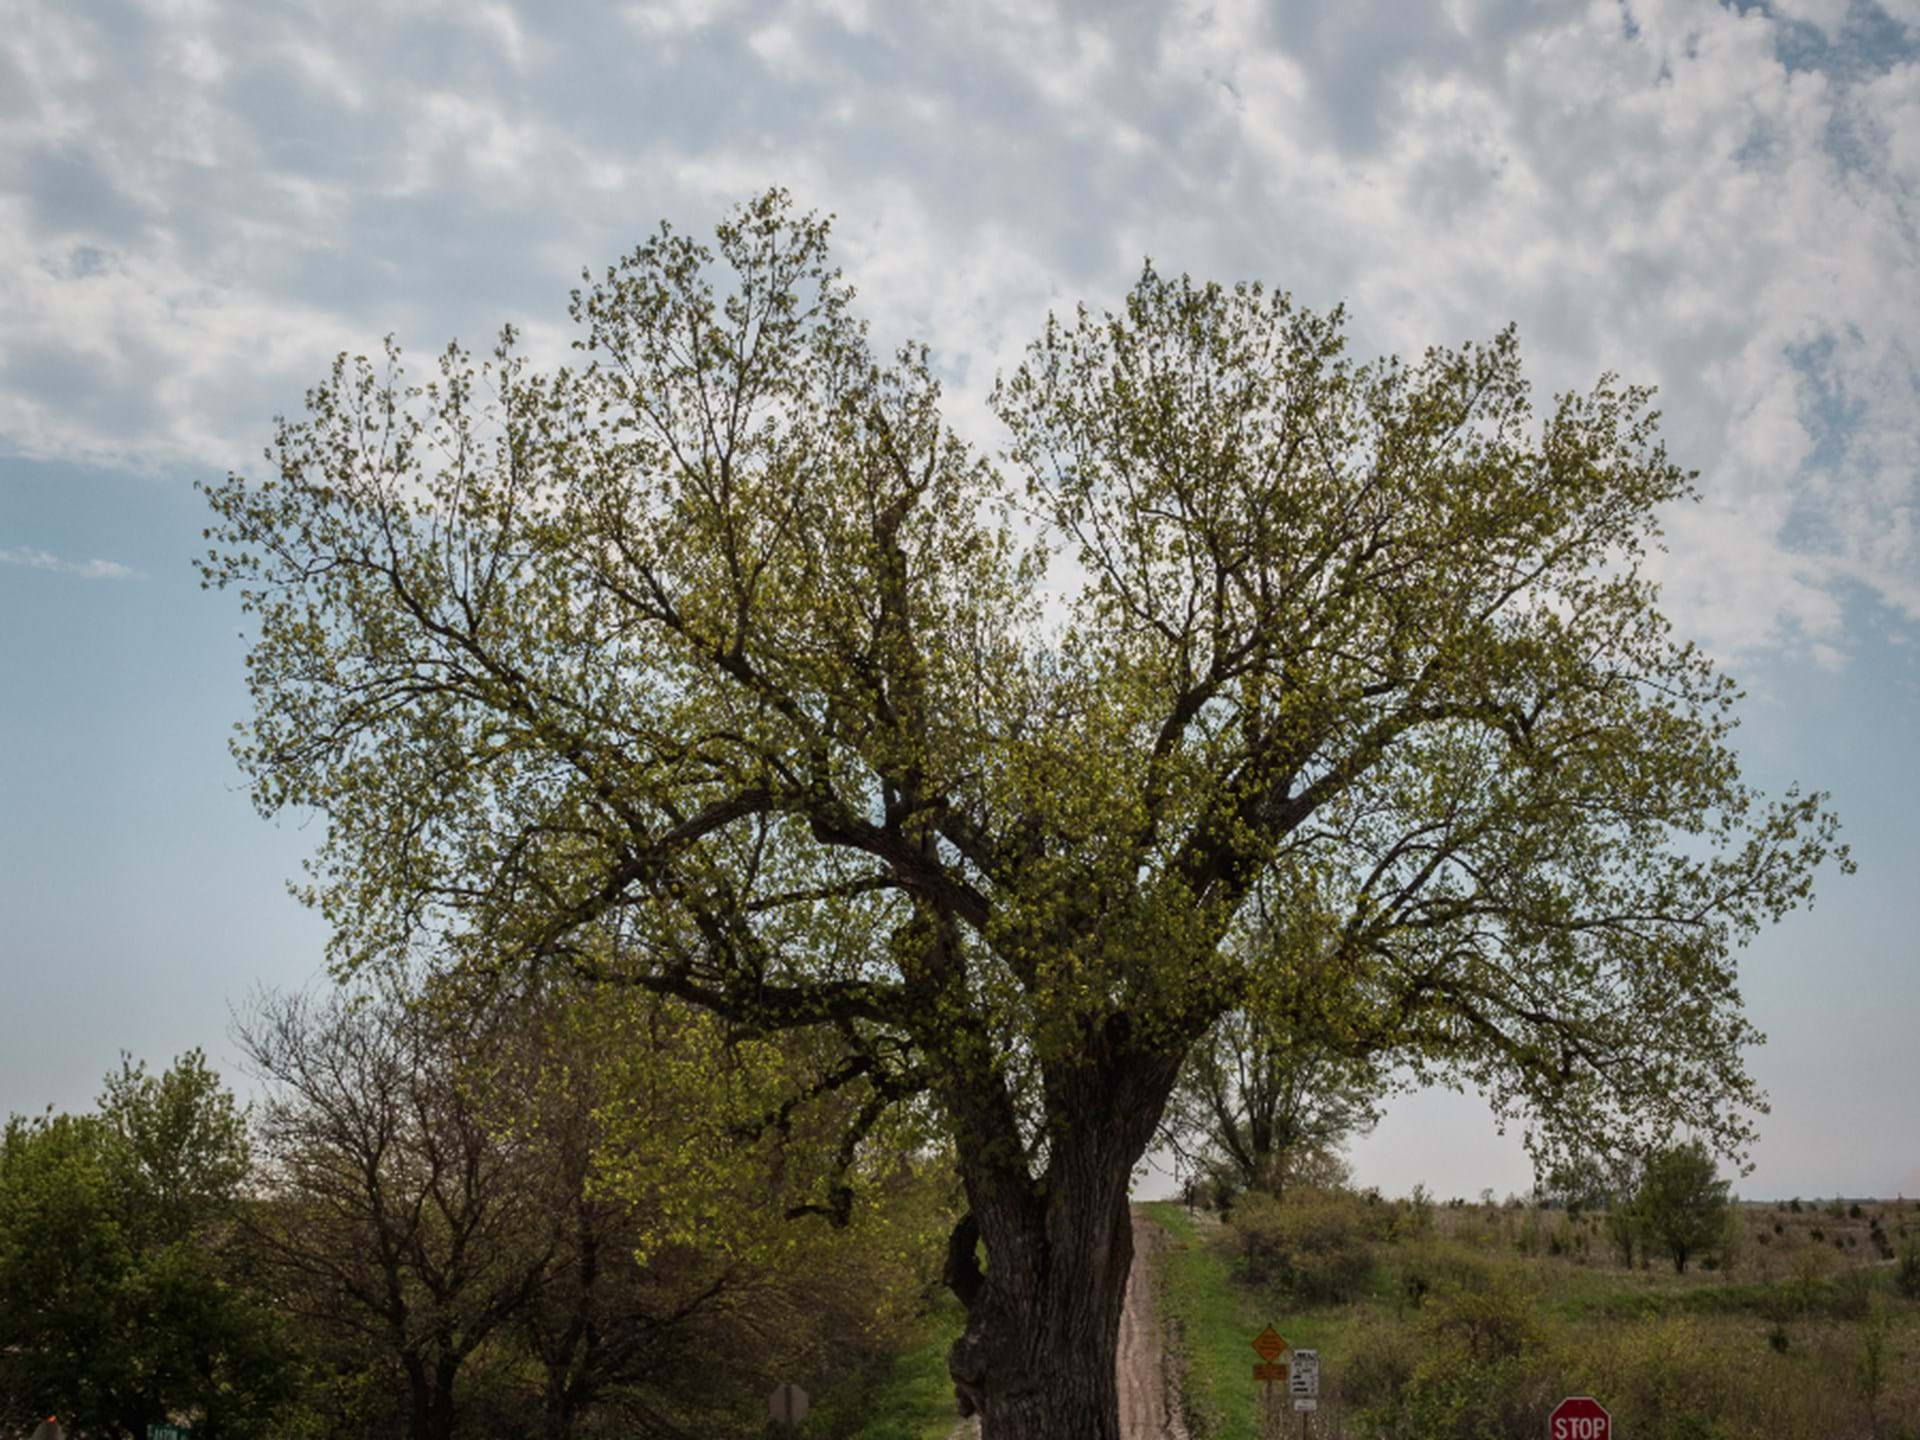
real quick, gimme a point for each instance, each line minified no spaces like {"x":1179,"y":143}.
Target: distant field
{"x":1473,"y":1320}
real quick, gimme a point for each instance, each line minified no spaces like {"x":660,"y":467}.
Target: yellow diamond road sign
{"x":1269,"y":1344}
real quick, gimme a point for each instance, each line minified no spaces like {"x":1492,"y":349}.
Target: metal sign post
{"x":1269,"y":1345}
{"x":1304,"y":1385}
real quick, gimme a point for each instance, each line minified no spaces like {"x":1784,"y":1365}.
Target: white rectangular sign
{"x":1304,"y":1383}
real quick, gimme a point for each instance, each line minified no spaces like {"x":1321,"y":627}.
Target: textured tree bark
{"x":419,"y":1398}
{"x":1036,"y":1360}
{"x":444,"y":1371}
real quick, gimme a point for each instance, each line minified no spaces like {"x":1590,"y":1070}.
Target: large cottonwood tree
{"x":719,"y":665}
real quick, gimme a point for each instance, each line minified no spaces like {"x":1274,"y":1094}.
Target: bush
{"x":1623,"y":1232}
{"x":1486,"y":1367}
{"x":1852,"y":1294}
{"x":1492,"y":1318}
{"x":1807,"y":1280}
{"x":1532,"y":1237}
{"x":1413,"y":1217}
{"x":1315,"y":1243}
{"x":1381,"y":1356}
{"x":1440,"y":1267}
{"x":1906,"y":1275}
{"x":1452,"y":1398}
{"x":1661,"y":1378}
{"x":1222,"y":1194}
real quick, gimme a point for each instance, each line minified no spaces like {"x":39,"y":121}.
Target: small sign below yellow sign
{"x":1272,"y":1374}
{"x":1269,"y":1344}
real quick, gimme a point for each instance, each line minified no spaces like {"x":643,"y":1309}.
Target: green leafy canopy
{"x":718,"y":664}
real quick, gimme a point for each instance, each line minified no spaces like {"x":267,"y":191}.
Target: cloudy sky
{"x":200,"y":203}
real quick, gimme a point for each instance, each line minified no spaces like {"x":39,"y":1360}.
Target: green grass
{"x":911,"y":1400}
{"x":1217,"y":1320}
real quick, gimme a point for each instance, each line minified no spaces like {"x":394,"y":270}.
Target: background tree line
{"x":524,"y":1218}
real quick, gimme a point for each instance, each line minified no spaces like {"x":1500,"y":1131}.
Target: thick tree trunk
{"x":444,"y":1373}
{"x":419,"y":1398}
{"x":1036,"y":1360}
{"x":1037,"y":1357}
{"x":561,"y":1409}
{"x":1043,"y":1323}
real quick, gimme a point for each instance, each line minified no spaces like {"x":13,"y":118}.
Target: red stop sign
{"x":1579,"y":1417}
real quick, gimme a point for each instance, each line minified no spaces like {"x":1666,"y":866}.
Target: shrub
{"x":1852,"y":1294}
{"x":1906,"y":1275}
{"x":1381,"y":1356}
{"x":1486,"y":1367}
{"x":1223,"y":1194}
{"x":1428,"y":1268}
{"x":1492,"y":1318}
{"x":1452,"y":1398}
{"x":1871,"y":1373}
{"x":1662,"y":1378}
{"x":1623,"y":1230}
{"x":1413,"y":1217}
{"x":1532,"y":1237}
{"x":1805,"y":1283}
{"x":1315,"y":1243}
{"x":1854,"y":1210}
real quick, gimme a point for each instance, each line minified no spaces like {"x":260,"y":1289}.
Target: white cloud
{"x":32,"y":559}
{"x":780,"y":50}
{"x":1827,"y":14}
{"x":1650,"y":190}
{"x":677,"y":17}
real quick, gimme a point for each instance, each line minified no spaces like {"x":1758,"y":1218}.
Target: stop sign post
{"x":1579,"y":1417}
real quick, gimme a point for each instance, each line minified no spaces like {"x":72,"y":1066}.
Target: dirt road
{"x":1149,"y":1391}
{"x":1149,"y":1388}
